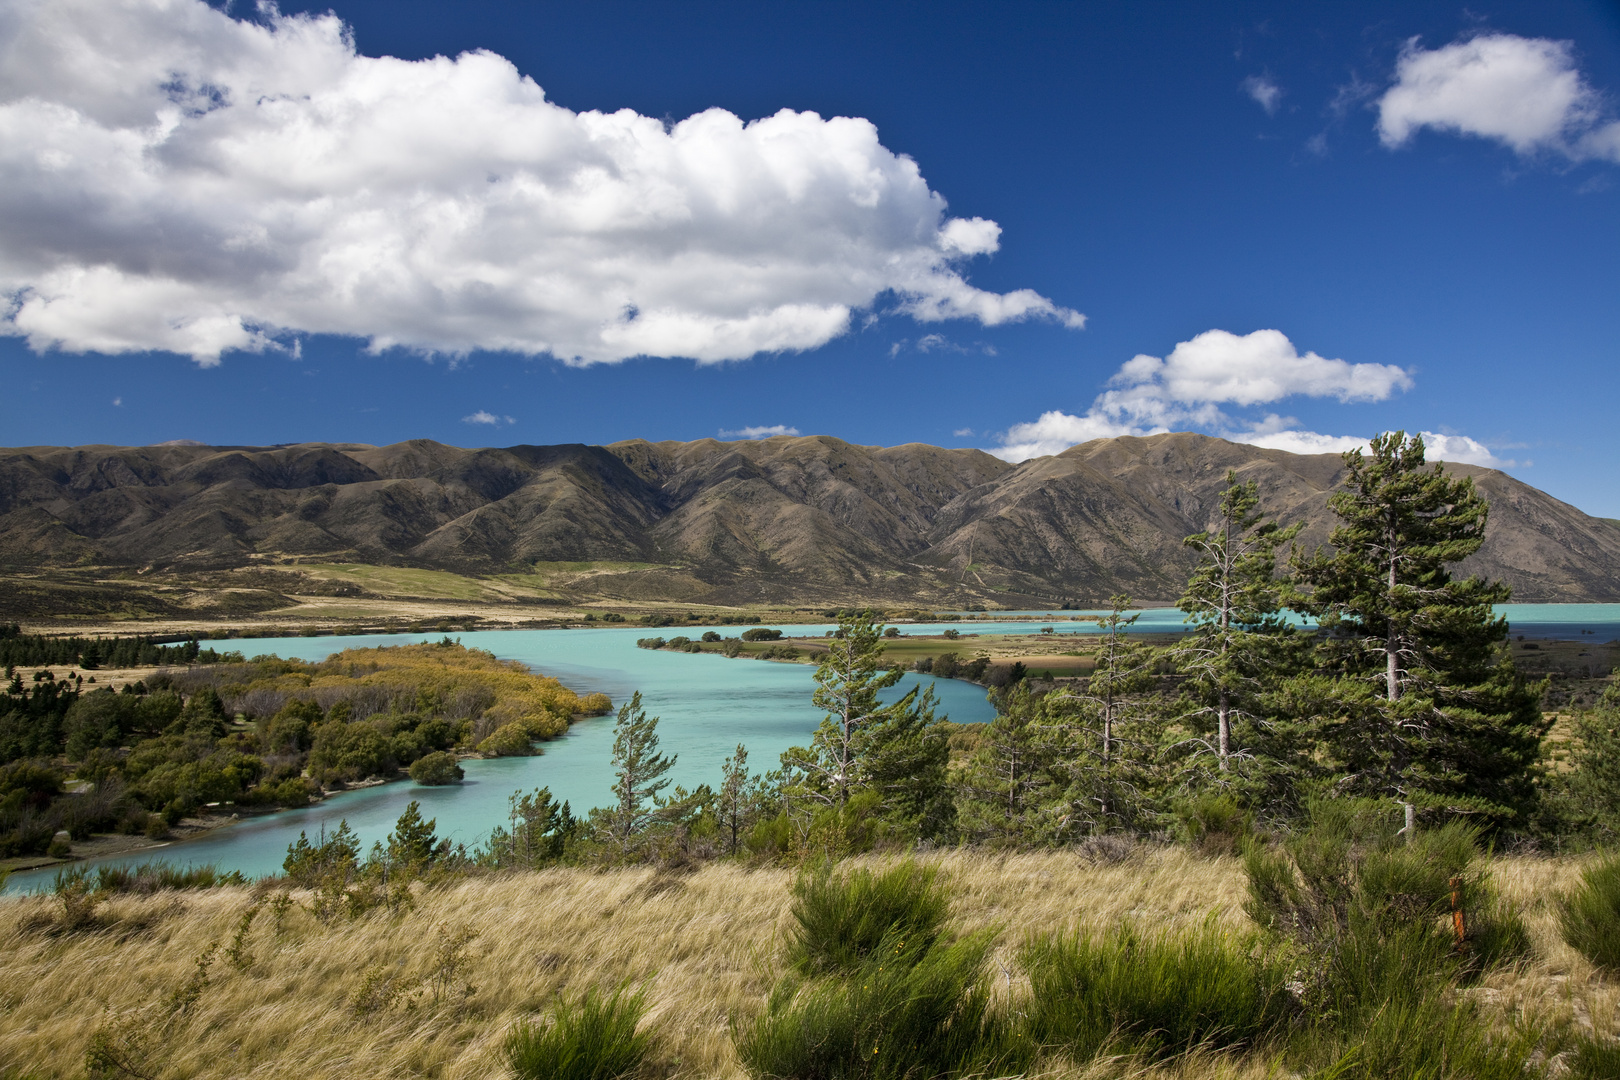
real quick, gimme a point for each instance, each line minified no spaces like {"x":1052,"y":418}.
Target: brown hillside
{"x":783,"y":519}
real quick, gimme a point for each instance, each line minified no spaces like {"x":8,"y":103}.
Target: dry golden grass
{"x":705,"y":940}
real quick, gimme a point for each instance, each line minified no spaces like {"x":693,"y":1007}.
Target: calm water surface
{"x":706,"y":704}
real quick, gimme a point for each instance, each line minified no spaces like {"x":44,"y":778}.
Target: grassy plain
{"x":706,"y":942}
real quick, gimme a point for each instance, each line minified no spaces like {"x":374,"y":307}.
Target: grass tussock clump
{"x":592,"y":1038}
{"x":904,"y":1011}
{"x":841,"y":919}
{"x":1589,"y":916}
{"x":877,"y":987}
{"x":1154,"y":993}
{"x":1594,"y":1059}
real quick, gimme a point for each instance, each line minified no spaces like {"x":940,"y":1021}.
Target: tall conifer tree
{"x":1017,"y":776}
{"x":638,"y":770}
{"x":1421,"y":705}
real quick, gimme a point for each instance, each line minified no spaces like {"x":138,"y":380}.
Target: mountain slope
{"x":811,"y":519}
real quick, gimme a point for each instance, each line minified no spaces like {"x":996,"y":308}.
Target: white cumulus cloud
{"x":1187,"y":389}
{"x":759,"y":432}
{"x":172,"y":178}
{"x":483,"y":416}
{"x":1437,"y":447}
{"x":1526,"y":93}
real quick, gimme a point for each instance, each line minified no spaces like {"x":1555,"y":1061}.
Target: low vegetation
{"x":260,"y":733}
{"x":593,"y":1038}
{"x":1590,"y":915}
{"x":1025,"y":961}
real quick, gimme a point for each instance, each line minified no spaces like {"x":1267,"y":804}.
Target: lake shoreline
{"x":707,"y":711}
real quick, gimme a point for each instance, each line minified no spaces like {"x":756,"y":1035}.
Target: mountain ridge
{"x":809,"y":518}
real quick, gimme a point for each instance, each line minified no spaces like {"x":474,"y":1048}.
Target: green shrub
{"x":595,"y":705}
{"x":151,"y":877}
{"x":594,"y":1038}
{"x":509,"y":740}
{"x":1371,"y":914}
{"x":436,"y":769}
{"x":349,"y":751}
{"x":1498,"y":934}
{"x":1153,"y":993}
{"x":910,"y":1009}
{"x":771,"y":837}
{"x":1349,"y":865}
{"x":1590,"y":916}
{"x":1421,"y":1036}
{"x":1215,"y":824}
{"x":841,"y":919}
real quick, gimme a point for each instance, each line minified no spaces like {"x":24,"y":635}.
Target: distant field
{"x":404,"y":581}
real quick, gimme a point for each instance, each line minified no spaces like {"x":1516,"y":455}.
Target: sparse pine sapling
{"x":1240,"y":648}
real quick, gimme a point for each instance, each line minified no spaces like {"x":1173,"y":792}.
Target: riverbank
{"x":110,"y":845}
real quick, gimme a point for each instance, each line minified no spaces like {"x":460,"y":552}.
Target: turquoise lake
{"x":706,"y":705}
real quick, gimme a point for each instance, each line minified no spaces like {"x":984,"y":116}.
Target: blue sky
{"x":244,"y":233}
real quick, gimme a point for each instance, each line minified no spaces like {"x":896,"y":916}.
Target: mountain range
{"x":777,"y":520}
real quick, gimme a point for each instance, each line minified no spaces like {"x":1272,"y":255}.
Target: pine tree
{"x":1007,"y":791}
{"x":1112,"y":728}
{"x":848,"y":680}
{"x":896,"y":751}
{"x":204,"y":714}
{"x":639,"y":771}
{"x":732,"y":805}
{"x":540,"y":833}
{"x":1241,"y":646}
{"x":1420,"y":703}
{"x":413,"y":842}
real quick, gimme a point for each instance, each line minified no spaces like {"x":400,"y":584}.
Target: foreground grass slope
{"x":387,"y":994}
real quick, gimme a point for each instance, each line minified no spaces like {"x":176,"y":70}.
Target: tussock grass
{"x":907,"y":1010}
{"x":1590,"y":915}
{"x":1129,"y":989}
{"x":156,"y":876}
{"x":891,"y":993}
{"x":1595,"y":1059}
{"x":594,"y":1038}
{"x":708,"y":943}
{"x":841,"y":918}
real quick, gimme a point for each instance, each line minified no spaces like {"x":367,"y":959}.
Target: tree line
{"x":18,"y":649}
